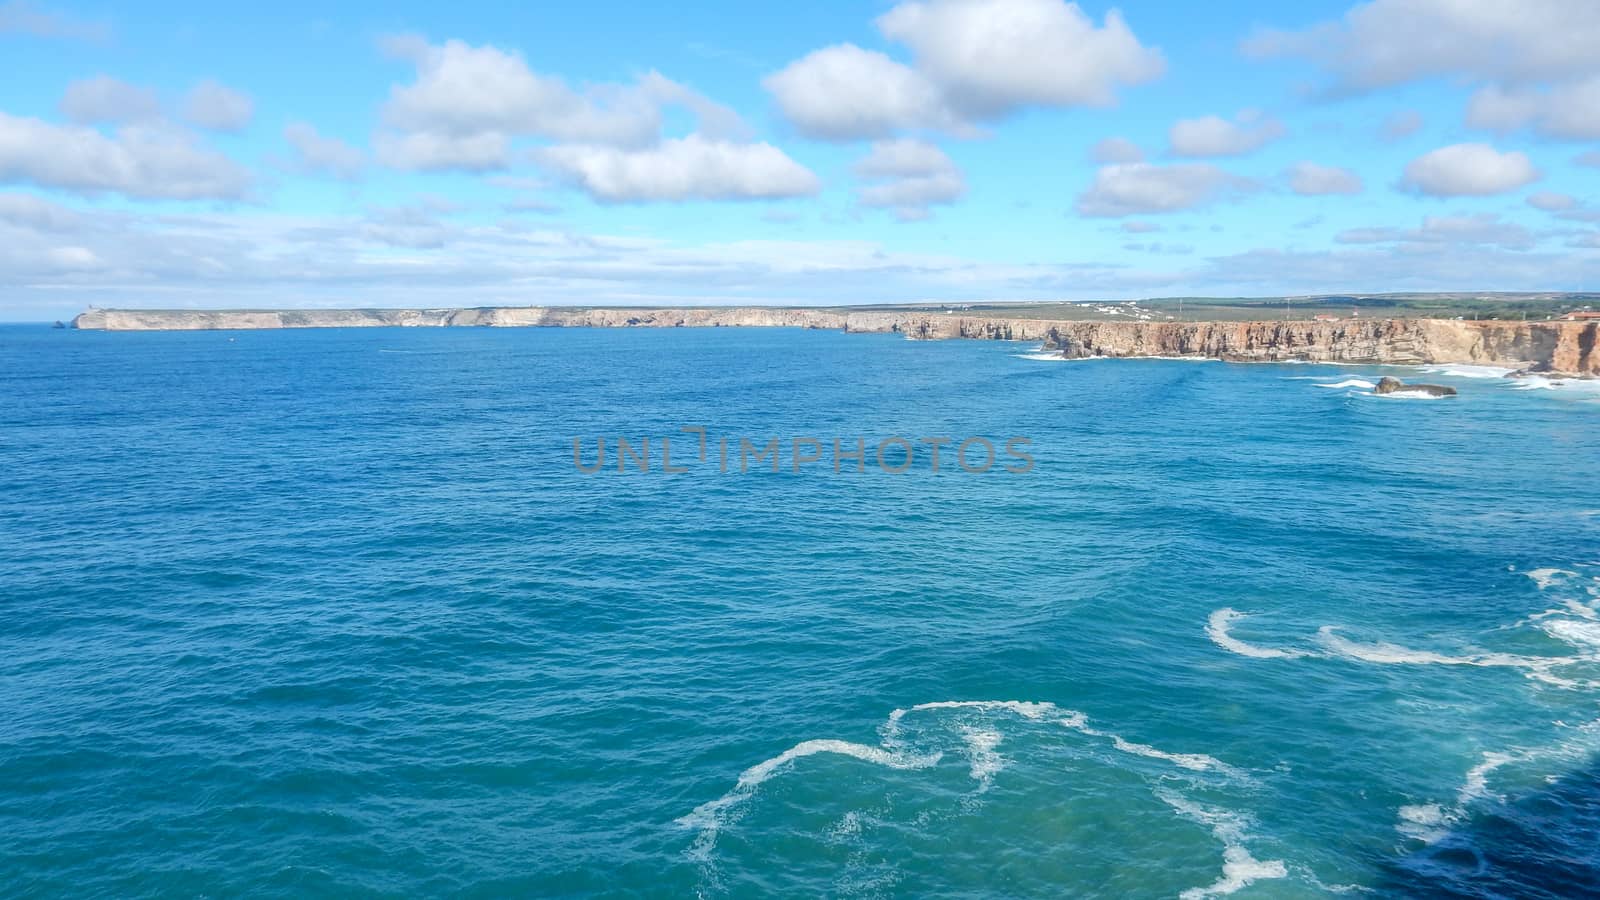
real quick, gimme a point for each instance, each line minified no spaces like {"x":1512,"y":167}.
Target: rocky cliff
{"x":1569,"y":347}
{"x":1546,"y":346}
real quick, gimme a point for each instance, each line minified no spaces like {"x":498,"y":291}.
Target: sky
{"x":189,"y":155}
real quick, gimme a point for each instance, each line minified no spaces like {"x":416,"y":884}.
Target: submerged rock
{"x":1389,"y":385}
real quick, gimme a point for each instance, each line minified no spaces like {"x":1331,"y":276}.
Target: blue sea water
{"x":333,"y":613}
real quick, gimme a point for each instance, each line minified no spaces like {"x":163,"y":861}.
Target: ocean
{"x":296,"y":613}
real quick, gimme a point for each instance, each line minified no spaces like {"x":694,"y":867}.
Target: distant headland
{"x":1317,"y":330}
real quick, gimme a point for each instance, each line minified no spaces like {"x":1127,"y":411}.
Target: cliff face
{"x":507,"y":317}
{"x":1569,"y":347}
{"x":1549,"y":346}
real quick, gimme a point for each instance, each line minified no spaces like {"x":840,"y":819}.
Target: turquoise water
{"x":332,"y":613}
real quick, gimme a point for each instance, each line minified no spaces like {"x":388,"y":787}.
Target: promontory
{"x":1568,"y":347}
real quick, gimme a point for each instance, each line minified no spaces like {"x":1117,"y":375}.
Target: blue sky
{"x":178,"y":154}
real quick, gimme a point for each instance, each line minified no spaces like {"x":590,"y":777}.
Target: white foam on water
{"x":1411,"y":395}
{"x":1580,"y":386}
{"x":1537,"y":668}
{"x":1043,"y":357}
{"x":1391,"y":654}
{"x":711,"y":816}
{"x":1431,"y":822}
{"x":1199,"y":762}
{"x":1463,"y":371}
{"x":1426,"y":822}
{"x":980,"y":743}
{"x":1240,"y":868}
{"x":848,"y":827}
{"x":1584,"y":635}
{"x":1547,"y":577}
{"x":1217,"y":627}
{"x":983,"y":762}
{"x":1350,"y":382}
{"x":1026,"y":708}
{"x":1074,"y":720}
{"x":1476,"y":786}
{"x":1423,"y":814}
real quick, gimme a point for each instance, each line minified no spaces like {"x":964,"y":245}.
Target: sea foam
{"x":1217,"y":629}
{"x":979,"y":744}
{"x":1465,"y":371}
{"x":1583,"y":635}
{"x":1240,"y":868}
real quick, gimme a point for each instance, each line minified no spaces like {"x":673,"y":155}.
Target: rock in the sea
{"x":1388,"y":385}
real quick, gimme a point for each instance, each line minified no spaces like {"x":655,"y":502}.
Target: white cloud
{"x":468,"y":103}
{"x":1116,"y":150}
{"x":844,"y":92}
{"x":467,"y":92}
{"x":1468,"y":170}
{"x":1309,"y":179}
{"x":1437,"y":266}
{"x":1388,"y":42}
{"x":908,"y":176}
{"x":140,"y":161}
{"x":1564,"y":206}
{"x":1550,"y":201}
{"x":1160,"y":248}
{"x":713,"y":119}
{"x":1589,"y":158}
{"x":415,"y":226}
{"x":433,"y":152}
{"x":1567,"y":111}
{"x":973,"y":61}
{"x":72,"y":257}
{"x":902,"y":158}
{"x":218,"y":107}
{"x":37,"y":213}
{"x":103,"y":99}
{"x":1480,"y":229}
{"x":910,"y":198}
{"x":1401,"y":124}
{"x":121,"y":258}
{"x":315,"y":153}
{"x":1140,"y":227}
{"x":1211,"y":136}
{"x":690,"y":168}
{"x":23,"y":17}
{"x":1126,"y":189}
{"x":993,"y":57}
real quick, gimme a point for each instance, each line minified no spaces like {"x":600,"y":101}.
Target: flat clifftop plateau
{"x":930,"y":326}
{"x":1565,"y":347}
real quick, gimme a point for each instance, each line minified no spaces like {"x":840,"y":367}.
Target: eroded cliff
{"x":1568,"y":347}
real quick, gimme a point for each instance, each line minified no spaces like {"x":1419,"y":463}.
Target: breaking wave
{"x":1465,"y":371}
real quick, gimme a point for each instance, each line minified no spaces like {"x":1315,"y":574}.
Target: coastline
{"x":1552,"y":347}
